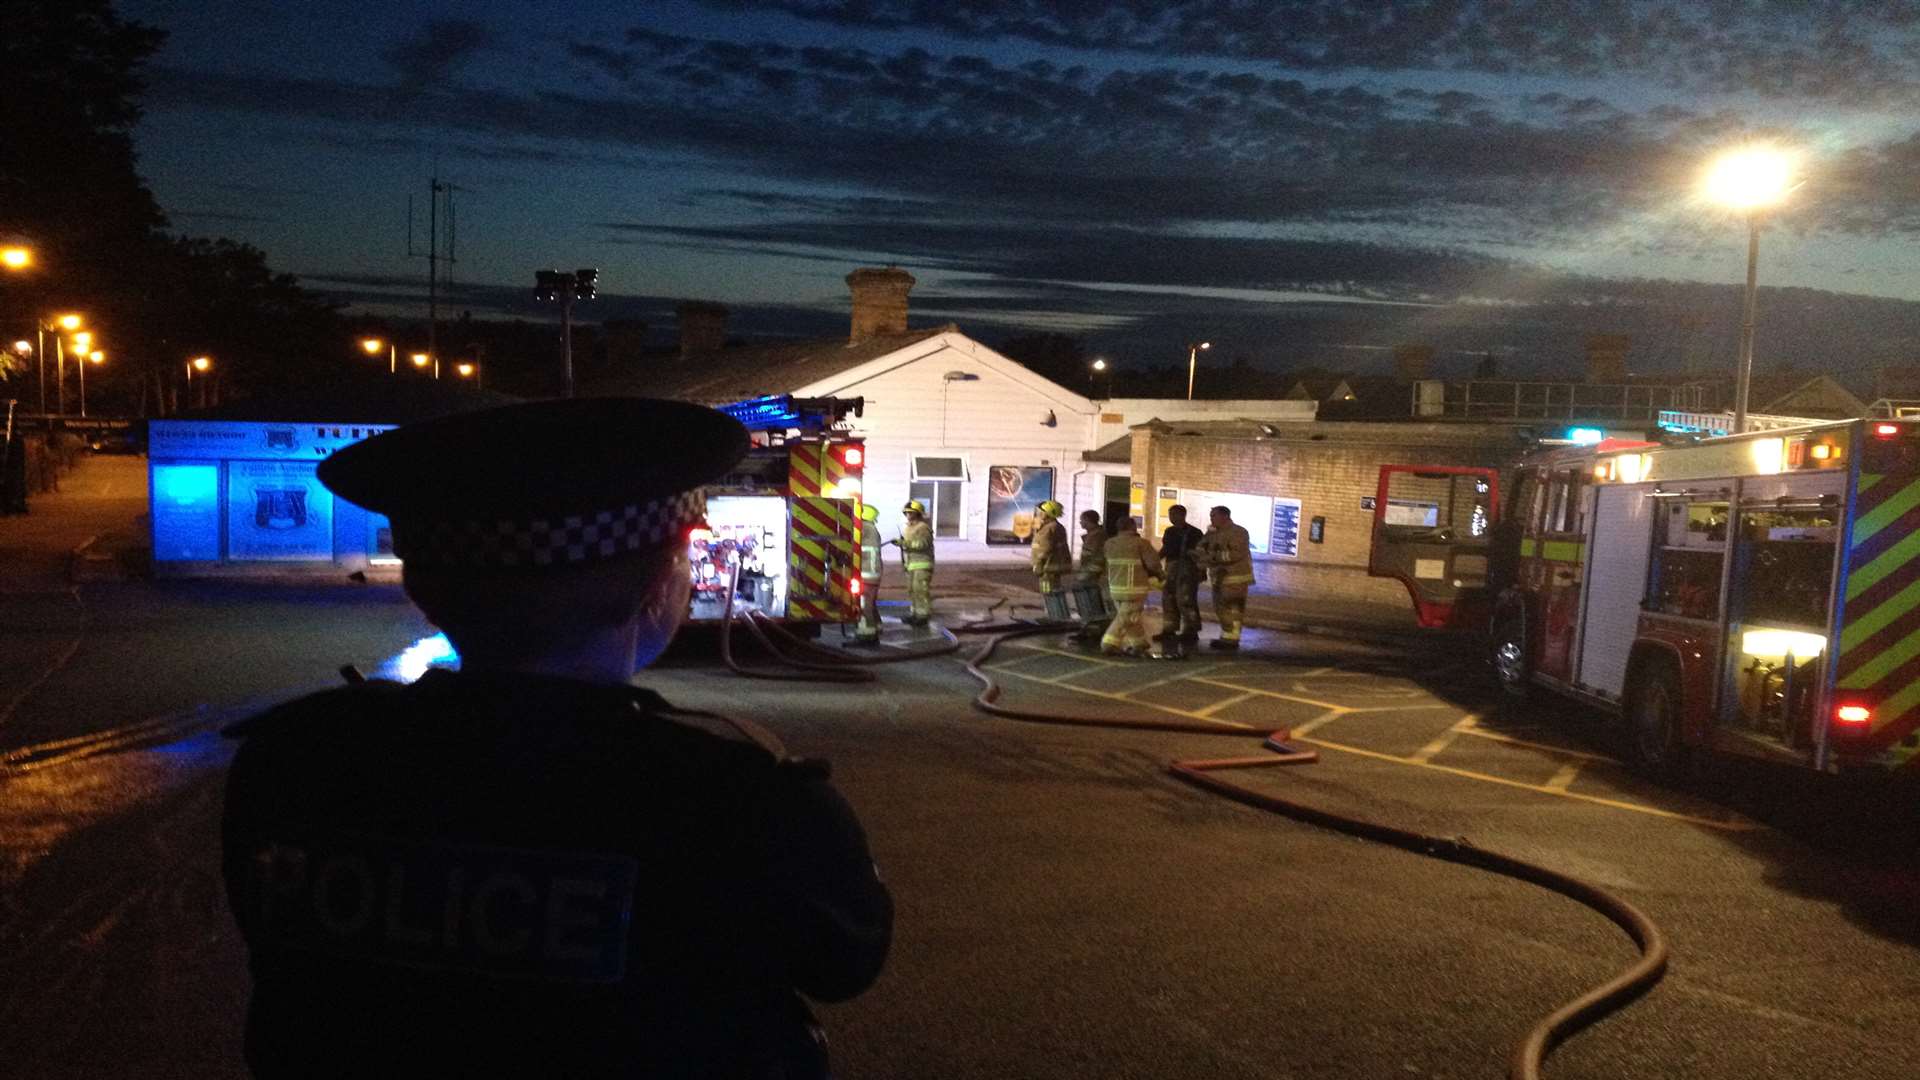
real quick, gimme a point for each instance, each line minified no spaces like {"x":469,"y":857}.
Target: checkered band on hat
{"x":577,"y":538}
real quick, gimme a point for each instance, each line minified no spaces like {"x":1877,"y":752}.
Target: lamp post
{"x":421,"y":360}
{"x":1750,"y":181}
{"x":94,"y":357}
{"x":1193,"y":360}
{"x":200,"y":364}
{"x":1100,"y":368}
{"x":372,"y":347}
{"x":467,"y":369}
{"x":16,"y":257}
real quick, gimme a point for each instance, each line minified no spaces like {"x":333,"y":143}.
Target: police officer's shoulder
{"x":742,"y":740}
{"x":317,"y":711}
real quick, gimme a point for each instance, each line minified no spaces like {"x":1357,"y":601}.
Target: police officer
{"x":1229,"y":557}
{"x":529,"y":866}
{"x":1052,"y":558}
{"x":916,"y":551}
{"x":1131,"y":566}
{"x":1090,"y":590}
{"x":1180,"y":599}
{"x":867,"y":632}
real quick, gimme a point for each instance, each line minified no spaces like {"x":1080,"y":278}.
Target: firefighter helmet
{"x":913,"y":507}
{"x":869,"y":512}
{"x":1053,"y":509}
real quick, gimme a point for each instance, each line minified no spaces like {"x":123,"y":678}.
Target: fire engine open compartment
{"x":748,"y":532}
{"x":1780,"y":604}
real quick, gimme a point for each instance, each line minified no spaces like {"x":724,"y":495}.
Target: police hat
{"x":544,"y":483}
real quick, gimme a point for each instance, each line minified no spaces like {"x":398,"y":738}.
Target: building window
{"x":945,"y":501}
{"x":939,"y":468}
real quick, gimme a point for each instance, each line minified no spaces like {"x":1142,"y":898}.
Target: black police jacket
{"x":516,"y":875}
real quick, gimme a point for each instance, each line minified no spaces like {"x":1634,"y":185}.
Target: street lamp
{"x":199,"y":364}
{"x":1099,"y":368}
{"x":421,"y":360}
{"x":1193,"y":359}
{"x":373,"y":345}
{"x":16,"y":257}
{"x":55,"y":323}
{"x":1749,"y":181}
{"x":94,"y":357}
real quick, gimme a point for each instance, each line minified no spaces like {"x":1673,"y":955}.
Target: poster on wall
{"x":277,"y":510}
{"x":1014,"y":493}
{"x":1284,"y":538}
{"x":1253,"y":513}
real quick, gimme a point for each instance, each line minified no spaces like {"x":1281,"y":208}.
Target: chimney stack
{"x":1607,"y":358}
{"x":1410,"y":362}
{"x":703,"y":327}
{"x":879,"y":301}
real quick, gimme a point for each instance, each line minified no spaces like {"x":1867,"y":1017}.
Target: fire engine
{"x":787,"y":518}
{"x":1754,"y":594}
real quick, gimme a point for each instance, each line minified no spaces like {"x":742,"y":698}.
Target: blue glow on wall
{"x":186,"y":512}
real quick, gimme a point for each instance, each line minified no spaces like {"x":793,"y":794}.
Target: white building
{"x":977,"y":437}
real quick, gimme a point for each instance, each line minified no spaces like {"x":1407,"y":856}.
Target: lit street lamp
{"x":1193,"y":359}
{"x":16,"y":257}
{"x":1749,"y":181}
{"x":94,"y":357}
{"x":421,"y":360}
{"x":372,"y":347}
{"x":199,"y":364}
{"x":1099,"y":368}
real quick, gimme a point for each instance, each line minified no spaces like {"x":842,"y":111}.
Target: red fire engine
{"x":1753,"y":594}
{"x":787,"y":518}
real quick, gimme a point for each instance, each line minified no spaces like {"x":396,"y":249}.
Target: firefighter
{"x":1180,"y":599}
{"x":529,"y":866}
{"x":916,"y":551}
{"x":1052,"y":557}
{"x":1090,"y":590}
{"x":1131,"y":568}
{"x":867,"y":631}
{"x":1229,"y":558}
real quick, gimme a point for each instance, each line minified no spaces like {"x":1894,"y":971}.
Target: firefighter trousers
{"x":920,"y":594}
{"x":1056,"y":600}
{"x":1230,"y":608}
{"x":1128,"y":630}
{"x":1180,"y":600}
{"x":868,"y":628}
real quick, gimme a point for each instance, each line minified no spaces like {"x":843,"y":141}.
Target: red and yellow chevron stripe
{"x":814,"y":470}
{"x":823,"y":559}
{"x":1879,"y":651}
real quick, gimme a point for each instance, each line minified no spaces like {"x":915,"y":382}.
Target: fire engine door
{"x":1616,"y":570}
{"x":1557,"y":569}
{"x":1430,"y":525}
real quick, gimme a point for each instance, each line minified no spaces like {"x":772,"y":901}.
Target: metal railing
{"x":1489,"y":399}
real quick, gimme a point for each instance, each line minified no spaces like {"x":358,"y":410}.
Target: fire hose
{"x":816,"y":663}
{"x":1546,"y":1034}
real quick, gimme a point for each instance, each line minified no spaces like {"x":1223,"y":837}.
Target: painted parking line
{"x":1468,"y":724}
{"x":1479,"y":732}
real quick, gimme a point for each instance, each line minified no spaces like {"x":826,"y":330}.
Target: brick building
{"x":1279,"y":478}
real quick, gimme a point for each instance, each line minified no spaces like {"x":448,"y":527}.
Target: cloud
{"x":437,"y":52}
{"x":1849,"y":51}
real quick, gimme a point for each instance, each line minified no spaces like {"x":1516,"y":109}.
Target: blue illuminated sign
{"x":186,"y":512}
{"x":1585,"y":436}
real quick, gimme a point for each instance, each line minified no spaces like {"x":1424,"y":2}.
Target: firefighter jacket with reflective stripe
{"x":1050,"y":554}
{"x":1229,"y":554}
{"x":870,"y":552}
{"x":1093,"y":551}
{"x":1130,"y":562}
{"x":916,"y":545}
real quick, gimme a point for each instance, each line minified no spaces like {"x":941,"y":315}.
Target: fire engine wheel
{"x":1509,"y":657}
{"x":1653,"y":721}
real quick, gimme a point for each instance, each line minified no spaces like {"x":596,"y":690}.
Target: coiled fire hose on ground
{"x":1546,"y":1034}
{"x":808,"y":662}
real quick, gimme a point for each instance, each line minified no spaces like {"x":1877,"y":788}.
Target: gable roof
{"x":745,"y":371}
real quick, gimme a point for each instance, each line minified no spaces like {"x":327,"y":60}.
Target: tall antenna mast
{"x":439,"y":192}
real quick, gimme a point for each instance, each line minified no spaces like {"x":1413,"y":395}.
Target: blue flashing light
{"x":414,"y":660}
{"x":1585,"y":436}
{"x":774,"y":412}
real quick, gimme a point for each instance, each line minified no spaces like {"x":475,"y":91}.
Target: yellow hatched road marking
{"x":1442,"y":741}
{"x":1187,"y":713}
{"x":1479,"y":732}
{"x":1228,"y":703}
{"x":1564,"y":778}
{"x":1299,"y":735}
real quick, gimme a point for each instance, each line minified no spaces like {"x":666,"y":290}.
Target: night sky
{"x":1301,"y":182}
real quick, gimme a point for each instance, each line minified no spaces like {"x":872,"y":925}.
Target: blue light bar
{"x":1585,"y":436}
{"x":774,"y":412}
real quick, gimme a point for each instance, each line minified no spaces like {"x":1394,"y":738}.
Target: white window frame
{"x":933,"y":508}
{"x":913,"y":468}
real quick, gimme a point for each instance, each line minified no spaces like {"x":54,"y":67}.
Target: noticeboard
{"x":1283,"y":538}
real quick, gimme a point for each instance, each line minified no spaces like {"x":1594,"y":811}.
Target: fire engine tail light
{"x":854,"y":586}
{"x":1852,"y":716}
{"x":853,"y":456}
{"x":1885,"y":431}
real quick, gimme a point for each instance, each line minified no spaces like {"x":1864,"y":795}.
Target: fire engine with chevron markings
{"x":787,"y":518}
{"x":1754,"y":594}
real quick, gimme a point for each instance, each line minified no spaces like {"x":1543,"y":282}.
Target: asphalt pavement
{"x":1066,"y":907}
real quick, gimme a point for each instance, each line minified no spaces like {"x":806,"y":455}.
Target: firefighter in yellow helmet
{"x":867,"y":631}
{"x":1228,"y":552}
{"x":1131,"y":567}
{"x":1052,"y":558}
{"x":916,"y":551}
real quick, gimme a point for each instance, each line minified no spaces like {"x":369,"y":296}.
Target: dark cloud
{"x":437,"y":53}
{"x":1835,"y":51}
